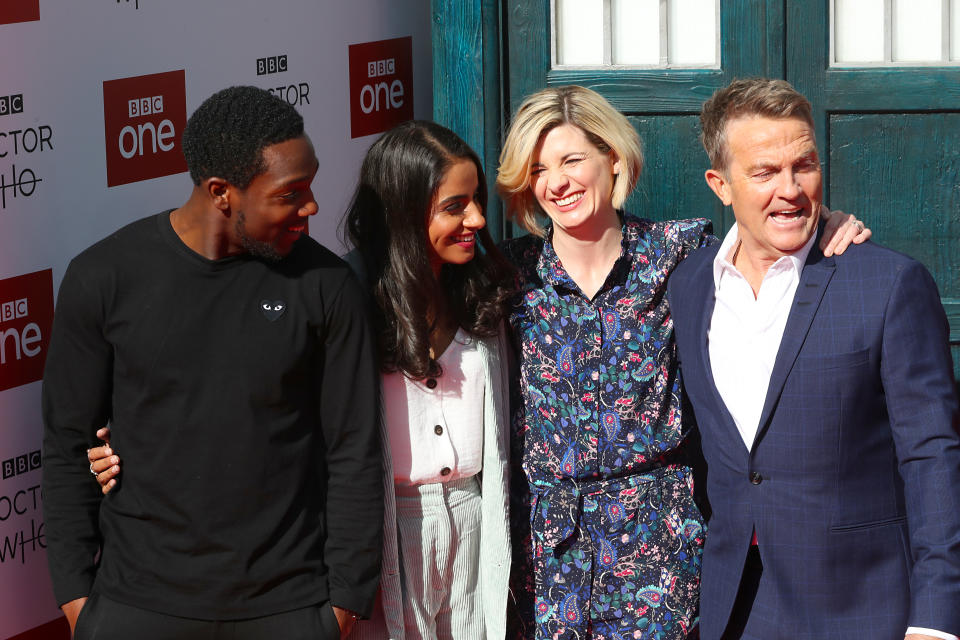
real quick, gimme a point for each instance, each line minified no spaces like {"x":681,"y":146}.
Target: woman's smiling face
{"x":572,"y":179}
{"x":455,"y":217}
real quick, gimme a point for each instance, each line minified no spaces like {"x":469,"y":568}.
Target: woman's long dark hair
{"x":387,"y":224}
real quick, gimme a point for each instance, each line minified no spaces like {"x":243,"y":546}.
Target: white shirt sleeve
{"x":931,"y":632}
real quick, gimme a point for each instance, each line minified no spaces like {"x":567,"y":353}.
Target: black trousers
{"x":749,"y":583}
{"x":105,"y":619}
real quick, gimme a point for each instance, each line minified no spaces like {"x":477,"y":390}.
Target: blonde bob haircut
{"x":605,"y":127}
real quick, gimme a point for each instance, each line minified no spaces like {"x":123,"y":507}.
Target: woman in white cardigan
{"x":437,"y":308}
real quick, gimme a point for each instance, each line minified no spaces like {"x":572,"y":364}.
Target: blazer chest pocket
{"x":830,"y":361}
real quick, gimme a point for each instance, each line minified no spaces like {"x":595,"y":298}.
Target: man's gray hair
{"x":746,"y":97}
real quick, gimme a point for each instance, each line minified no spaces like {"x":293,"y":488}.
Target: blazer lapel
{"x":706,"y":299}
{"x":814,"y":279}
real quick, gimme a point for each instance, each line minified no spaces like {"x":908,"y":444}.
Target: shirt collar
{"x":552,"y":272}
{"x":722,"y":263}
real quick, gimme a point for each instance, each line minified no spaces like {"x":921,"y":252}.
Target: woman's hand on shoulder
{"x":841,"y":231}
{"x":104,"y":463}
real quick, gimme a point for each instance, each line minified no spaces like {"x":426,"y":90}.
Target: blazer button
{"x":755,"y":477}
{"x":431,"y":383}
{"x":445,"y":471}
{"x":438,"y":430}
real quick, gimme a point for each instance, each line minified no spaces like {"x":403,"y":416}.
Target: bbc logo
{"x":14,"y":309}
{"x":275,"y":64}
{"x":21,"y":464}
{"x":11,"y":104}
{"x":377,"y":68}
{"x":144,"y":106}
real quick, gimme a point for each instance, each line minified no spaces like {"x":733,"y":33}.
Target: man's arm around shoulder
{"x":75,"y":402}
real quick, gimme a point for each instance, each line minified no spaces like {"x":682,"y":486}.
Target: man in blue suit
{"x":824,"y":395}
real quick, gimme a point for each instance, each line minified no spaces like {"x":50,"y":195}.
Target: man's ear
{"x":718,"y":183}
{"x":218,"y":190}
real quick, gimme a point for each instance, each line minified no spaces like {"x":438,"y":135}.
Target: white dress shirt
{"x":745,"y":331}
{"x":435,"y":425}
{"x":744,"y":338}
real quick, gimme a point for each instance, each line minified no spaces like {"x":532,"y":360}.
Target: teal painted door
{"x":889,"y":138}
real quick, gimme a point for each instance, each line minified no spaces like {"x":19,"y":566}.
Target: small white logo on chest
{"x":273,"y":309}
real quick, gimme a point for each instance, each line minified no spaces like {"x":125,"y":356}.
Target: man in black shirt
{"x":230,"y":355}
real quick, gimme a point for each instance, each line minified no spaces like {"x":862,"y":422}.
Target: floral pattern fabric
{"x":608,"y":539}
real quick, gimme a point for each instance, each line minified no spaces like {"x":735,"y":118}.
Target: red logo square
{"x":26,"y":315}
{"x":143,"y":120}
{"x":381,"y":85}
{"x":19,"y":11}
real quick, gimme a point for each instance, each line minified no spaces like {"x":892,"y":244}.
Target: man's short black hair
{"x":226,"y":135}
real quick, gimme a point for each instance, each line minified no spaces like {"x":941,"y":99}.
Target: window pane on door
{"x":643,"y":34}
{"x":895,"y":33}
{"x":858,"y":30}
{"x":917,"y":30}
{"x":693,"y":32}
{"x":636,"y":31}
{"x":579,"y":31}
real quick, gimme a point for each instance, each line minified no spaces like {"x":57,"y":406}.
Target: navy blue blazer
{"x":853,"y":480}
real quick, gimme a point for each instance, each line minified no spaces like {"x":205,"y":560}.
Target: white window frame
{"x":888,"y":27}
{"x":607,"y":63}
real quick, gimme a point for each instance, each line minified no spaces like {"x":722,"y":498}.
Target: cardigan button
{"x":445,"y":471}
{"x":755,"y":477}
{"x":431,"y":383}
{"x":438,"y":430}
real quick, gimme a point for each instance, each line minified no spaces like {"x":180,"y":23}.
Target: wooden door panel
{"x":672,"y":184}
{"x":901,"y":173}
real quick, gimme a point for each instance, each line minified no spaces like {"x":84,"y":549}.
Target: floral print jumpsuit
{"x":608,"y":540}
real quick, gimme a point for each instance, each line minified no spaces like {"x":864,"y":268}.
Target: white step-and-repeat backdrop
{"x":93,"y":99}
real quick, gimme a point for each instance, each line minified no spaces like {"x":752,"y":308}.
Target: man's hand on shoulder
{"x":72,"y":611}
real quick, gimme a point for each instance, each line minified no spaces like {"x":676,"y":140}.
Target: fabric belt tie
{"x":559,"y":508}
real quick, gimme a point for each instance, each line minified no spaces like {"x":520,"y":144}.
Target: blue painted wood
{"x":493,"y":111}
{"x":633,"y":91}
{"x":457,"y":35}
{"x":774,"y":16}
{"x":527,"y":60}
{"x":894,"y":89}
{"x":672,"y":183}
{"x":901,"y":173}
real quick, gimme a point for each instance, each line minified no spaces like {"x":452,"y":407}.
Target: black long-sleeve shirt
{"x":242,"y":395}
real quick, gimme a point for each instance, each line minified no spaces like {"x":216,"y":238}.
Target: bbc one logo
{"x":144,"y":118}
{"x":381,"y":85}
{"x":26,"y":315}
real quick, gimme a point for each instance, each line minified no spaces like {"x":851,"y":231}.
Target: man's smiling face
{"x":773,"y":182}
